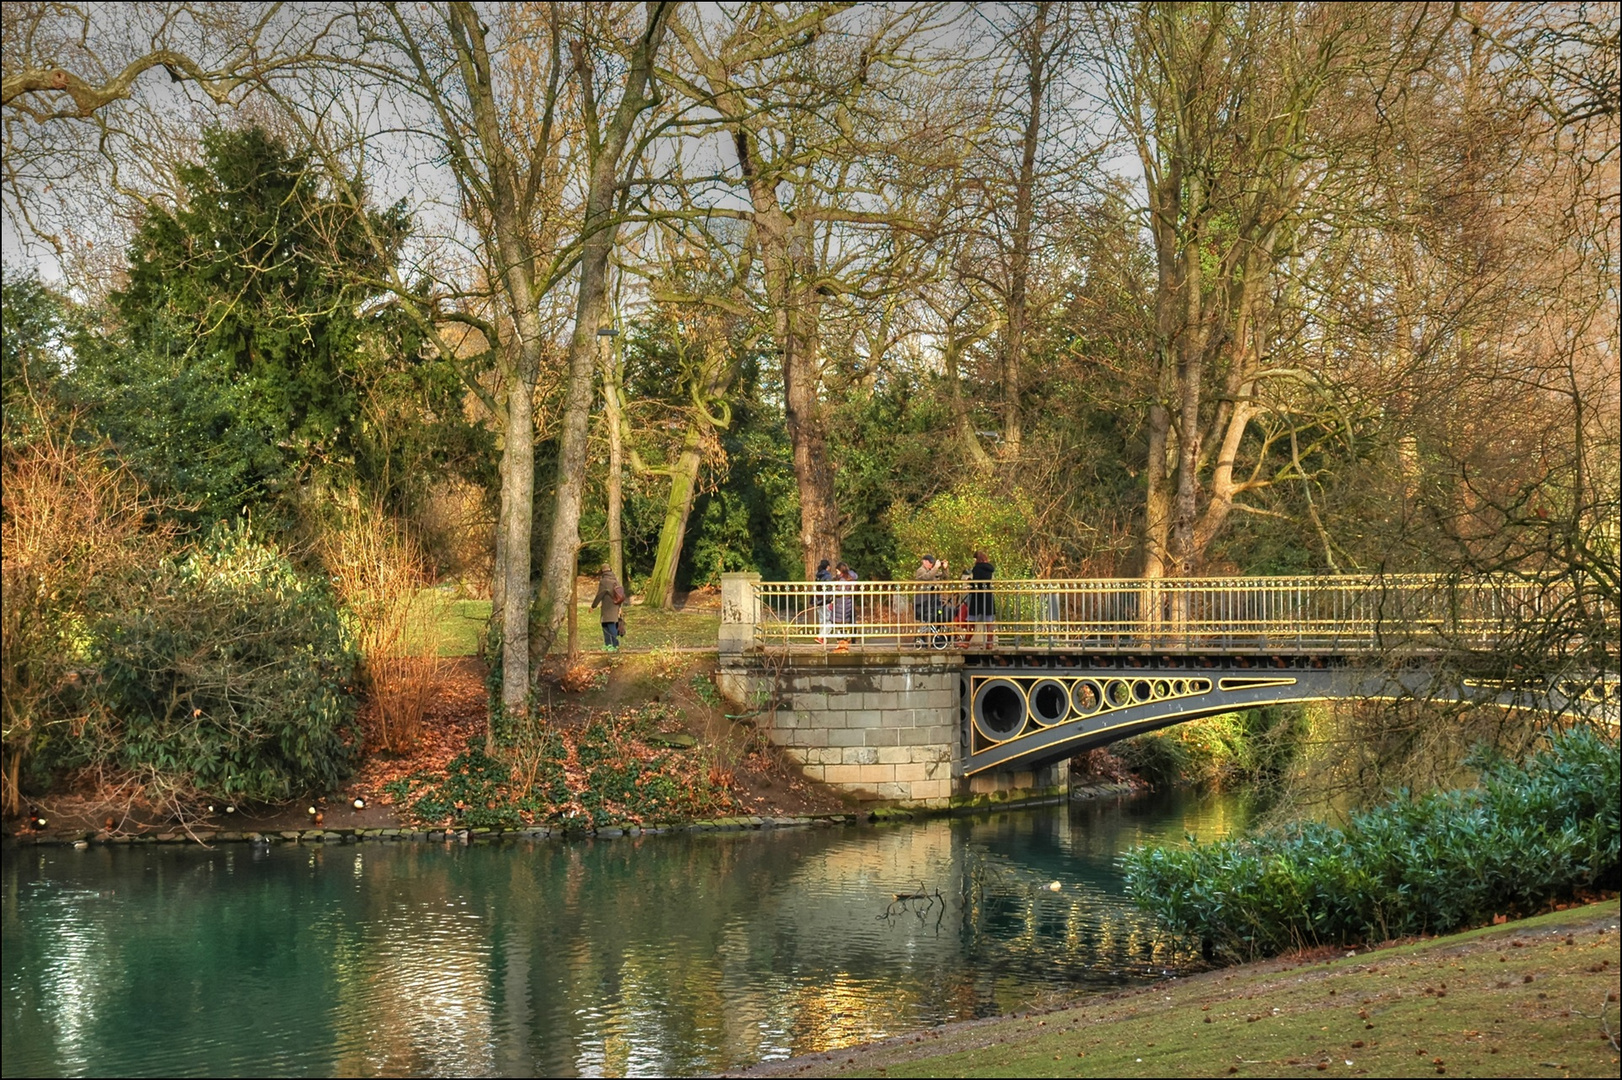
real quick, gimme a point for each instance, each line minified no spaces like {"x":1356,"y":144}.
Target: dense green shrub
{"x":970,"y":517}
{"x":1525,"y":835}
{"x":230,"y":681}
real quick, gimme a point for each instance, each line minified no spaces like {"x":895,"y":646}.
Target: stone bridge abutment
{"x":879,"y":726}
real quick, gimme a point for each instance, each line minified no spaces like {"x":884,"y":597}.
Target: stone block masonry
{"x":881,"y":727}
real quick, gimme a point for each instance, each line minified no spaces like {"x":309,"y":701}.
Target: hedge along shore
{"x":875,"y":815}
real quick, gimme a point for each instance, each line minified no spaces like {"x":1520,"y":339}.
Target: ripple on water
{"x":668,"y":955}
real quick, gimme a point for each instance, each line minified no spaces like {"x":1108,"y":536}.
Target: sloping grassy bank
{"x":1531,"y":998}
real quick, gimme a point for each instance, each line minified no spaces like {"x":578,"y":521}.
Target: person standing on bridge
{"x":926,"y":605}
{"x":982,"y":606}
{"x":824,"y":603}
{"x":844,"y":603}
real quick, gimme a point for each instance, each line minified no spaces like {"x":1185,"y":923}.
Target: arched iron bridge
{"x":1062,"y":667}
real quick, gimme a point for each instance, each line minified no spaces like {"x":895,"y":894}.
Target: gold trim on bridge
{"x":1074,"y":698}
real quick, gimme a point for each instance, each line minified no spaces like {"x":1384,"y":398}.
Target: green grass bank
{"x":460,"y":622}
{"x":1536,"y":997}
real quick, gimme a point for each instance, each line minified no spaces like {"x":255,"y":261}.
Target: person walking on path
{"x":982,"y":605}
{"x":609,"y":596}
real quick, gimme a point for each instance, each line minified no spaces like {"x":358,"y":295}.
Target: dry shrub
{"x":77,"y":526}
{"x":460,"y":528}
{"x":579,"y":678}
{"x":385,"y":582}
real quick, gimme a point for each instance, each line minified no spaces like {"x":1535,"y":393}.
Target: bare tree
{"x":1049,"y":158}
{"x":533,"y":126}
{"x":100,"y":102}
{"x":1222,"y":104}
{"x":810,"y":113}
{"x":608,"y":140}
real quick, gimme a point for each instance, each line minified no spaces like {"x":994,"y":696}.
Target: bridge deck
{"x":1343,"y":615}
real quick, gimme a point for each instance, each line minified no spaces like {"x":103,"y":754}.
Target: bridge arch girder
{"x":1135,"y":701}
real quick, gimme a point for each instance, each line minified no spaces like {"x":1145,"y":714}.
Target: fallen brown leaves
{"x":459,"y":713}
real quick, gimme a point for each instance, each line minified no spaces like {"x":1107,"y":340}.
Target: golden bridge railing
{"x":1338,"y":614}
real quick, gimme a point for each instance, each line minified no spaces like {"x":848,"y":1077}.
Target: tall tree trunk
{"x":708,"y":386}
{"x":1013,"y":345}
{"x":514,"y":265}
{"x":518,"y":495}
{"x":661,"y":590}
{"x":599,"y":231}
{"x":960,"y":413}
{"x":1190,"y":376}
{"x":808,"y":428}
{"x":1160,"y":473}
{"x":498,"y":563}
{"x":786,"y":253}
{"x":1157,"y":495}
{"x":616,"y":465}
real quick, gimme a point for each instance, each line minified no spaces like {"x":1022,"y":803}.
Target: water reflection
{"x":660,"y":955}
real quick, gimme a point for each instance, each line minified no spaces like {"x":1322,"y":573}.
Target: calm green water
{"x":661,"y":955}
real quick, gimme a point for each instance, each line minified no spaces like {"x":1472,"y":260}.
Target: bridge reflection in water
{"x":1065,"y":666}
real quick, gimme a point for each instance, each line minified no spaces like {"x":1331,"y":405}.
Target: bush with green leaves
{"x":970,"y":517}
{"x":1525,"y":835}
{"x":230,"y":682}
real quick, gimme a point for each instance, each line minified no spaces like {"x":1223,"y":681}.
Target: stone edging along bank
{"x":878,"y":815}
{"x":467,"y":835}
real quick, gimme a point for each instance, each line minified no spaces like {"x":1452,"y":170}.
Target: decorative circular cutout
{"x":1141,"y":690}
{"x":1049,"y":702}
{"x":1162,"y":688}
{"x":999,"y":709}
{"x":1179,"y":687}
{"x":1117,"y":693}
{"x":1086,"y":696}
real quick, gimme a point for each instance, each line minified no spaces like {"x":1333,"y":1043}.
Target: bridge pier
{"x":880,"y":726}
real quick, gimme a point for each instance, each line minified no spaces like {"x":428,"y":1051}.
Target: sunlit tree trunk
{"x":613,"y":420}
{"x":708,"y":413}
{"x":600,"y":231}
{"x":661,"y":588}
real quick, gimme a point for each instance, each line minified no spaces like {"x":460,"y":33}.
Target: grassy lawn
{"x":462,"y":621}
{"x":460,"y":625}
{"x":1524,"y":999}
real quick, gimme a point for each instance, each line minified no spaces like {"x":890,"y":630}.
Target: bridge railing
{"x":1339,"y":614}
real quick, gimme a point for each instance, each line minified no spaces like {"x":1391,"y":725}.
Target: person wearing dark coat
{"x":824,"y":603}
{"x":981,"y":603}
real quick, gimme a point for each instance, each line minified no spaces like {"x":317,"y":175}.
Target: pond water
{"x":673,"y":954}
